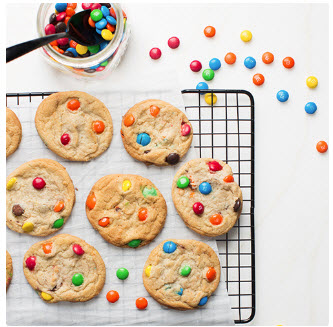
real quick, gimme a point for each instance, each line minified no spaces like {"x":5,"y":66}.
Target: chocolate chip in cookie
{"x":17,"y":210}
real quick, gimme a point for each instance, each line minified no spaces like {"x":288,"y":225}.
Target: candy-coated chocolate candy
{"x":148,"y":271}
{"x":77,"y":279}
{"x":249,"y":62}
{"x":143,"y":139}
{"x":31,"y":262}
{"x":169,"y":247}
{"x":96,"y":15}
{"x":111,"y":20}
{"x":17,"y":210}
{"x":216,"y":219}
{"x":105,"y":11}
{"x":322,"y":146}
{"x":68,"y":54}
{"x":211,"y":274}
{"x":209,"y":97}
{"x":208,"y":74}
{"x":214,"y":64}
{"x":228,"y":179}
{"x":112,"y":296}
{"x":113,"y":13}
{"x":203,"y":301}
{"x":11,"y":183}
{"x":230,"y":58}
{"x":246,"y":36}
{"x":61,"y":17}
{"x":73,"y":104}
{"x":60,"y":27}
{"x":143,"y":214}
{"x":28,"y":227}
{"x":47,"y":248}
{"x":310,"y":108}
{"x":72,"y":5}
{"x":49,"y":29}
{"x":288,"y":62}
{"x":122,"y":273}
{"x":180,"y":292}
{"x":65,"y":139}
{"x":104,"y":222}
{"x":93,"y":48}
{"x":95,"y":6}
{"x":72,"y":44}
{"x":58,"y":50}
{"x":237,"y":205}
{"x":86,"y":6}
{"x":104,"y":63}
{"x":154,"y":110}
{"x":126,"y":185}
{"x":282,"y":96}
{"x":52,"y":19}
{"x":205,"y":188}
{"x":214,"y":166}
{"x":67,"y":18}
{"x":172,"y":158}
{"x":173,"y":42}
{"x":100,"y":68}
{"x":81,"y":49}
{"x":209,"y":31}
{"x":185,"y":270}
{"x":77,"y":249}
{"x":91,"y":201}
{"x":149,"y":191}
{"x":183,"y":182}
{"x":38,"y":183}
{"x":101,"y":24}
{"x":141,"y":303}
{"x":185,"y":129}
{"x":155,"y":53}
{"x":110,"y":27}
{"x":267,"y":58}
{"x":258,"y":79}
{"x":98,"y":126}
{"x":70,"y":12}
{"x":46,"y":296}
{"x":312,"y":82}
{"x":129,"y":120}
{"x":60,"y":7}
{"x":198,"y":208}
{"x":202,"y":86}
{"x":58,"y":223}
{"x":54,"y":43}
{"x":134,"y":243}
{"x":195,"y":66}
{"x":60,"y":205}
{"x":91,"y":22}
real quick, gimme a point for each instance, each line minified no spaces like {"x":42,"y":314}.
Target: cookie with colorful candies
{"x":9,"y":269}
{"x":13,"y":132}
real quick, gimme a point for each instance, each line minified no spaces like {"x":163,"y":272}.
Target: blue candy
{"x":203,"y":301}
{"x":103,"y":45}
{"x":310,"y":108}
{"x":111,"y":20}
{"x":282,"y":96}
{"x":169,"y":247}
{"x":180,"y":292}
{"x":101,"y":24}
{"x":205,"y":188}
{"x":215,"y":64}
{"x":98,"y":30}
{"x":105,"y":11}
{"x":250,"y":62}
{"x":60,"y":7}
{"x":73,"y":51}
{"x":94,"y":67}
{"x":202,"y":86}
{"x":143,"y":139}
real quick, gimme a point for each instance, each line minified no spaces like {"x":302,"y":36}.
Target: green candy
{"x":104,"y":63}
{"x":134,"y":243}
{"x":93,"y":48}
{"x":208,"y":74}
{"x":96,"y":15}
{"x":77,"y":279}
{"x":183,"y":182}
{"x":185,"y":271}
{"x":58,"y":223}
{"x":146,"y":191}
{"x":122,"y":273}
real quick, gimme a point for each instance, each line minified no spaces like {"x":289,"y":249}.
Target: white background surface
{"x":291,"y":176}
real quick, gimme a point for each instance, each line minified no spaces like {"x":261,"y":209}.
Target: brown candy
{"x":60,"y":27}
{"x":237,"y":205}
{"x":17,"y":210}
{"x":172,"y":158}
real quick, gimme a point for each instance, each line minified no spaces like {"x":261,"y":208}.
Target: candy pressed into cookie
{"x":64,"y":268}
{"x":206,"y":196}
{"x":13,"y":132}
{"x":156,"y":132}
{"x":40,"y":196}
{"x":74,"y":125}
{"x":127,"y":210}
{"x":9,"y":269}
{"x":182,"y":274}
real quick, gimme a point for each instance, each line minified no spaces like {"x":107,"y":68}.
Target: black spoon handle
{"x":21,"y":49}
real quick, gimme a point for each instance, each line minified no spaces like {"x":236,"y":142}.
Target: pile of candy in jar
{"x":102,"y":17}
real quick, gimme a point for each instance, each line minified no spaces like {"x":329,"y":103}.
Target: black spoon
{"x":79,"y":30}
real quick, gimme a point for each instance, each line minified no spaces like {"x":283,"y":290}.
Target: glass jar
{"x":85,"y":68}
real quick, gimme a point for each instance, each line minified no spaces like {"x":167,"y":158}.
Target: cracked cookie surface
{"x":13,"y":132}
{"x":9,"y":269}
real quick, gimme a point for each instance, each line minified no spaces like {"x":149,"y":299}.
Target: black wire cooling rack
{"x":224,"y":130}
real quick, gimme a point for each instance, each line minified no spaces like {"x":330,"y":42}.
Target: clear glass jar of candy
{"x":72,"y":58}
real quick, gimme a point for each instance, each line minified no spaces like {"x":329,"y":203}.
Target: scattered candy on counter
{"x":173,"y":42}
{"x":112,"y":296}
{"x":215,"y":64}
{"x":288,"y":62}
{"x":155,"y":53}
{"x":195,"y":66}
{"x":249,"y":62}
{"x":322,"y":146}
{"x":141,"y":303}
{"x":209,"y":97}
{"x":122,"y":273}
{"x":312,"y":82}
{"x":282,"y":96}
{"x":267,"y":58}
{"x":230,"y":58}
{"x":246,"y":36}
{"x":209,"y":31}
{"x":258,"y":79}
{"x":310,"y":108}
{"x":208,"y":74}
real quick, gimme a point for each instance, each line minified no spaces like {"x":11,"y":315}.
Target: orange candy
{"x":322,"y":146}
{"x":58,"y":49}
{"x":54,"y":43}
{"x":230,"y":58}
{"x":91,"y":201}
{"x":216,"y":219}
{"x":104,"y":221}
{"x":73,"y":104}
{"x":141,"y":303}
{"x":98,"y":126}
{"x":59,"y":206}
{"x":67,"y":18}
{"x":129,"y":120}
{"x":209,"y":31}
{"x":154,"y":110}
{"x":143,"y":214}
{"x":288,"y":62}
{"x":258,"y":79}
{"x":72,"y":44}
{"x":47,"y":248}
{"x":91,"y":22}
{"x":71,"y":5}
{"x":110,"y":27}
{"x":112,"y":296}
{"x":70,"y":11}
{"x":228,"y":179}
{"x":267,"y":58}
{"x":211,"y":274}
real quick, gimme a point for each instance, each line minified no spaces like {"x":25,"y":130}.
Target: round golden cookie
{"x":127,"y":210}
{"x":156,"y":132}
{"x":9,"y":269}
{"x":40,"y":196}
{"x":182,"y":274}
{"x":206,"y":196}
{"x":13,"y":132}
{"x":78,"y":134}
{"x":64,"y":268}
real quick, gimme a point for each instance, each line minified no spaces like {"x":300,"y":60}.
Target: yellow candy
{"x":312,"y":82}
{"x":246,"y":36}
{"x":11,"y":183}
{"x":107,"y":35}
{"x":126,"y":185}
{"x":46,"y":297}
{"x":208,"y":98}
{"x":147,"y":271}
{"x":28,"y":227}
{"x":81,"y":49}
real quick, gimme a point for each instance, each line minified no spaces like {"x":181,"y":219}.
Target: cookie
{"x":9,"y":269}
{"x":206,"y":196}
{"x":40,"y":196}
{"x":74,"y":125}
{"x":13,"y":132}
{"x":155,"y":132}
{"x":64,"y":268}
{"x":127,"y":210}
{"x":182,"y":274}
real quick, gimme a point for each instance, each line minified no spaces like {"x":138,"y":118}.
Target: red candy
{"x":38,"y":183}
{"x":77,"y":249}
{"x":258,"y":79}
{"x":60,"y":17}
{"x":198,"y":208}
{"x":86,"y":6}
{"x":195,"y":66}
{"x":65,"y":139}
{"x":100,"y":68}
{"x":95,"y":6}
{"x":185,"y":129}
{"x":31,"y":262}
{"x":155,"y":53}
{"x":63,"y":41}
{"x":173,"y":42}
{"x":49,"y":29}
{"x":214,"y":166}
